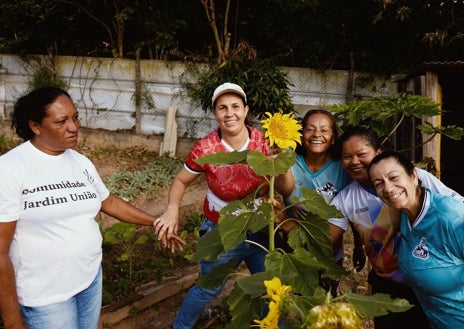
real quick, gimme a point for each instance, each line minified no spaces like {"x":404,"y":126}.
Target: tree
{"x":111,"y":15}
{"x":437,"y":25}
{"x":377,"y":36}
{"x":32,"y":26}
{"x":265,"y":84}
{"x":222,"y":39}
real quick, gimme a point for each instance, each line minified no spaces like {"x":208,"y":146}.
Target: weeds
{"x":157,"y":175}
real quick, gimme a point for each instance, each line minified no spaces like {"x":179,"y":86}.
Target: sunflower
{"x":282,"y":130}
{"x":333,"y":315}
{"x":278,"y":293}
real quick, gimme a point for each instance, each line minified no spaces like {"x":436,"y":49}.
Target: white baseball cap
{"x":228,"y":88}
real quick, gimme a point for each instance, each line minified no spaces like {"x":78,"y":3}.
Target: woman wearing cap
{"x":225,"y":184}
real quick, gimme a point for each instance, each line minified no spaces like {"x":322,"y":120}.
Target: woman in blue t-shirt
{"x":431,"y":254}
{"x":316,"y":168}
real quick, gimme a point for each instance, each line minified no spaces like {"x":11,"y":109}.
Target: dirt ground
{"x":161,"y":315}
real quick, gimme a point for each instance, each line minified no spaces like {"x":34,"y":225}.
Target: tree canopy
{"x":372,"y":35}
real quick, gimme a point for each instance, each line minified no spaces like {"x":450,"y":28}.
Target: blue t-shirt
{"x":431,"y":256}
{"x":327,"y":181}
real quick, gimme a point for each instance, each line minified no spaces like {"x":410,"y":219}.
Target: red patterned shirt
{"x":228,"y":182}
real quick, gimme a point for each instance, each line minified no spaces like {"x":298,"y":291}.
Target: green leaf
{"x":299,"y":267}
{"x":261,"y":216}
{"x":453,"y":132}
{"x":110,"y":238}
{"x":222,"y":158}
{"x":316,"y":204}
{"x":265,"y":166}
{"x":377,"y":304}
{"x":218,"y":274}
{"x":232,"y":229}
{"x":142,"y":239}
{"x":236,"y":219}
{"x":306,"y":303}
{"x":208,"y":248}
{"x":124,"y":256}
{"x":313,"y":232}
{"x":119,"y":232}
{"x":253,"y":285}
{"x":243,"y":308}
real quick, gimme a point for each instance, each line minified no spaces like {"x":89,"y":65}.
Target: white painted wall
{"x":103,"y":89}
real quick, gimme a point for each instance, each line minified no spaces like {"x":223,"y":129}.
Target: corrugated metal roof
{"x":445,"y":62}
{"x":453,"y":67}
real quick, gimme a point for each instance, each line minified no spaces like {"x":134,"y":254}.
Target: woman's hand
{"x":280,"y":218}
{"x":175,"y":242}
{"x":166,"y":227}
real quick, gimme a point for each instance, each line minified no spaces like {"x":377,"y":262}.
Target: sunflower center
{"x":278,"y":130}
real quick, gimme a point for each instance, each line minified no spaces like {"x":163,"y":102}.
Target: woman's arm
{"x":285,"y":183}
{"x":9,"y":305}
{"x":167,"y":224}
{"x":126,"y":212}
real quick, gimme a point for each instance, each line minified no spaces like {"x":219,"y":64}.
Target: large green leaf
{"x":236,"y":219}
{"x":377,"y":304}
{"x":300,"y":267}
{"x":312,"y":232}
{"x":316,"y":204}
{"x":261,"y":217}
{"x":265,"y":166}
{"x":243,"y":308}
{"x":253,"y":285}
{"x":306,"y":303}
{"x":222,"y":158}
{"x":232,"y":229}
{"x":218,"y":274}
{"x":208,"y":248}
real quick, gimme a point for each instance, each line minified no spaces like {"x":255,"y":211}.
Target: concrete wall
{"x":103,"y":91}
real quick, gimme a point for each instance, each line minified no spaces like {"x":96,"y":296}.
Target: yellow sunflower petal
{"x":282,"y":130}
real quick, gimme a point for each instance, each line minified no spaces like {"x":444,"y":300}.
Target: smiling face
{"x":230,"y":113}
{"x":318,"y":134}
{"x":394,"y":185}
{"x":357,"y":154}
{"x":58,"y":130}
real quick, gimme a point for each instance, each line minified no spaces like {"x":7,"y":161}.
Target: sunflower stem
{"x":271,"y":219}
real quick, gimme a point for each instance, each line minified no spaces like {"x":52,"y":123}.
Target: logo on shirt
{"x":328,"y":191}
{"x":89,"y":177}
{"x":421,"y":250}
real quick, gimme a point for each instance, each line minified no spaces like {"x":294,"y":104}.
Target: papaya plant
{"x":386,"y":114}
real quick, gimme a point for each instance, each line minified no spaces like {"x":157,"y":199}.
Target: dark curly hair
{"x":33,"y":107}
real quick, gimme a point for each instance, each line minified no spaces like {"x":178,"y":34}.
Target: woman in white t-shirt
{"x":50,"y":243}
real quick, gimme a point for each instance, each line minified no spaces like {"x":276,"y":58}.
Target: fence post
{"x":170,"y":133}
{"x":138,"y":92}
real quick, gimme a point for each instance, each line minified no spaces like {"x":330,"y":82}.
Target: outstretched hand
{"x":166,"y":227}
{"x":175,"y":242}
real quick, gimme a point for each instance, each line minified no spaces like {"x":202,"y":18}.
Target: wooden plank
{"x":149,"y":297}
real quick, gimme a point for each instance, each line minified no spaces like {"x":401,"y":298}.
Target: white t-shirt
{"x":56,"y":249}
